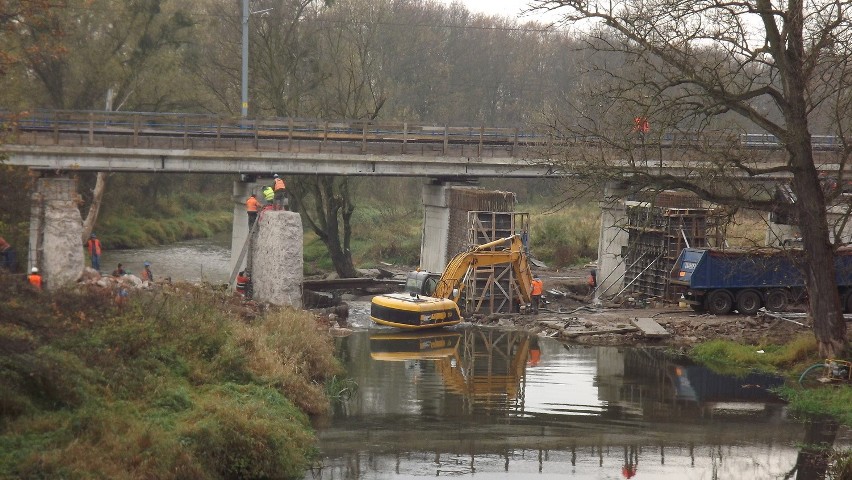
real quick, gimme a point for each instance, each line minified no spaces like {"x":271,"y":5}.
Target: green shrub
{"x":249,"y":431}
{"x":176,"y":385}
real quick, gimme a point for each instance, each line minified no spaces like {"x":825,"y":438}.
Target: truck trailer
{"x":720,"y":281}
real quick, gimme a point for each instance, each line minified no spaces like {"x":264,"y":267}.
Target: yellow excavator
{"x":431,"y":300}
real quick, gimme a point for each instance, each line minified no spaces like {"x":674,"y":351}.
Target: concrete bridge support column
{"x":436,"y":225}
{"x":56,"y":229}
{"x":613,"y":240}
{"x":278,"y":258}
{"x":239,"y":231}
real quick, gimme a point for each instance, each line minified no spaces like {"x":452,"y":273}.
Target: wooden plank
{"x":650,"y":328}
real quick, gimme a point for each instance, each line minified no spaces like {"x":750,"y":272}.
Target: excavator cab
{"x":425,"y":283}
{"x":421,"y":283}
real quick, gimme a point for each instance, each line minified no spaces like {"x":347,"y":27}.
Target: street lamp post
{"x":244,"y":87}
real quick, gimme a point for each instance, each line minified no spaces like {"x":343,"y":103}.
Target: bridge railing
{"x":40,"y":127}
{"x":197,"y":131}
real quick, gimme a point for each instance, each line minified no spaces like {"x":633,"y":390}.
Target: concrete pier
{"x":436,"y":227}
{"x":613,"y":240}
{"x":278,"y":258}
{"x":56,"y":230}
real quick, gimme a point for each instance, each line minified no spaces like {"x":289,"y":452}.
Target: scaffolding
{"x":493,"y":289}
{"x":657,"y":232}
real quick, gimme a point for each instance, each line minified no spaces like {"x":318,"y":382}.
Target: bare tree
{"x":705,"y":72}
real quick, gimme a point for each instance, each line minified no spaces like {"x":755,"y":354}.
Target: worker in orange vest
{"x":94,"y":246}
{"x":280,"y":189}
{"x":592,"y":281}
{"x":537,"y":289}
{"x":252,"y":207}
{"x":35,"y":279}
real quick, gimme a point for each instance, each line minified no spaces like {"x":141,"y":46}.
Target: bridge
{"x":155,"y":142}
{"x":193,"y":143}
{"x":64,"y":141}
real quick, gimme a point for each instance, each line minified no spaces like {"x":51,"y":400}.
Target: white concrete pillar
{"x":278,"y":258}
{"x":613,"y":239}
{"x":436,"y":226}
{"x":56,"y":229}
{"x":239,"y":231}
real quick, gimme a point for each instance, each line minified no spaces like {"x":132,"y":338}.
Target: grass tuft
{"x":733,"y":358}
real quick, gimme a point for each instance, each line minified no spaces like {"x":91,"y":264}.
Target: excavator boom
{"x":440,"y":307}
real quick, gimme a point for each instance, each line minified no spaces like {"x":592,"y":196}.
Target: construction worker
{"x":592,"y":281}
{"x":242,"y":282}
{"x":7,"y":255}
{"x":252,"y":207}
{"x":280,"y":190}
{"x":537,"y":289}
{"x":147,"y":274}
{"x":35,"y":279}
{"x":94,"y":247}
{"x":119,"y":271}
{"x":268,"y":194}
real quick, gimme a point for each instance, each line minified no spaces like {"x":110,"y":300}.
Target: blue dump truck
{"x":719,"y":282}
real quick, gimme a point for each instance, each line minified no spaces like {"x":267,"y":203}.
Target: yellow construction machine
{"x":431,"y":300}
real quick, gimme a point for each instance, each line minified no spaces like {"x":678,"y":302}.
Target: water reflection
{"x":506,"y":405}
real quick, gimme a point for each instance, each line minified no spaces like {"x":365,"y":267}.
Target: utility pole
{"x":244,"y":108}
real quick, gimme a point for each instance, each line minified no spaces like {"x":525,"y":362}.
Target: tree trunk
{"x":823,"y":296}
{"x":320,"y":200}
{"x":824,"y":299}
{"x":97,"y":197}
{"x":812,"y":461}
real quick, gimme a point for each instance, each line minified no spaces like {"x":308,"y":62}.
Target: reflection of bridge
{"x":642,"y":412}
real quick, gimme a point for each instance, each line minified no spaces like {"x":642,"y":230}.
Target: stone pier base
{"x":56,"y":229}
{"x":277,"y":259}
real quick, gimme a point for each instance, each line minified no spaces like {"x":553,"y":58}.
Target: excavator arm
{"x":452,"y":282}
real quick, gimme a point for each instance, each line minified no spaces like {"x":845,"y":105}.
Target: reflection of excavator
{"x":431,"y":300}
{"x":487,"y":368}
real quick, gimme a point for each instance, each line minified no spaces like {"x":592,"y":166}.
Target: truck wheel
{"x":776,"y":300}
{"x":719,"y":302}
{"x":749,"y":302}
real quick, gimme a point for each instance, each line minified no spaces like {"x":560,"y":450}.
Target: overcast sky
{"x":509,"y":8}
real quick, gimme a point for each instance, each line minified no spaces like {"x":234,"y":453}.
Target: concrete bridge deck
{"x":166,"y":142}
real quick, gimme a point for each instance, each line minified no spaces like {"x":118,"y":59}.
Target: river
{"x":495,"y":404}
{"x":201,"y":260}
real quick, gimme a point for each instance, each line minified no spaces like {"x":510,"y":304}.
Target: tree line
{"x":683,"y":66}
{"x":401,"y":60}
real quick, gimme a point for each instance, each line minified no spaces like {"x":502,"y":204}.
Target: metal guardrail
{"x":30,"y":128}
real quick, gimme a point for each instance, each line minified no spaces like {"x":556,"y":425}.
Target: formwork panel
{"x":492,"y":289}
{"x":657,"y":234}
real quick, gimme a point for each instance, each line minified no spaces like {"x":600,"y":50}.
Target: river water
{"x":202,"y":260}
{"x":492,"y":404}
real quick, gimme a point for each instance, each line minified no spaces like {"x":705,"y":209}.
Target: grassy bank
{"x":139,"y":232}
{"x":392,"y":234}
{"x":182,"y":213}
{"x":174,"y":385}
{"x":788,"y":360}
